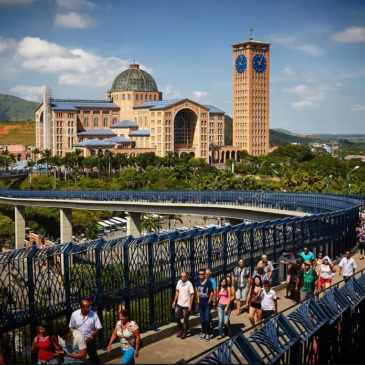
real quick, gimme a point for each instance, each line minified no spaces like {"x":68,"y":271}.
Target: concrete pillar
{"x":234,"y":221}
{"x":19,"y":226}
{"x":66,"y":225}
{"x":134,"y":224}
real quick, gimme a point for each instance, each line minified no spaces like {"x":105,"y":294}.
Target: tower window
{"x":137,"y":97}
{"x":123,"y":97}
{"x":105,"y":122}
{"x":129,"y":96}
{"x":86,"y":122}
{"x":96,"y":122}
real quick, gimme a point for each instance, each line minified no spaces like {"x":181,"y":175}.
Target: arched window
{"x":145,"y":97}
{"x":115,"y":120}
{"x":154,"y":98}
{"x":129,"y":96}
{"x":122,"y":135}
{"x":86,"y":122}
{"x":105,"y":122}
{"x":123,"y":97}
{"x":145,"y":121}
{"x":28,"y":157}
{"x":96,"y":122}
{"x":137,"y":97}
{"x":93,"y":153}
{"x":150,"y":97}
{"x":106,"y":153}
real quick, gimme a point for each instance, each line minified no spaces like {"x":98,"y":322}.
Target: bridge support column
{"x":66,"y":225}
{"x":134,"y":224}
{"x":19,"y":226}
{"x":234,"y":221}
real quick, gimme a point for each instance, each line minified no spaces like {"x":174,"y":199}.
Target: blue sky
{"x":78,"y":47}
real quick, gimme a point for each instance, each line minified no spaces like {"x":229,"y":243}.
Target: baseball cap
{"x":308,"y":263}
{"x":260,"y":265}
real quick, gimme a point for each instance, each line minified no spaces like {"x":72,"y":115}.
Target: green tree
{"x":6,"y":228}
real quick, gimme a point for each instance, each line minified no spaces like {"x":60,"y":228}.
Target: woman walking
{"x":224,"y":307}
{"x":253,"y":303}
{"x":326,"y":272}
{"x":128,"y":333}
{"x":319,"y":260}
{"x":46,"y":345}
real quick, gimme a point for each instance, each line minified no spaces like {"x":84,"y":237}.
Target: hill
{"x":13,"y":108}
{"x":284,"y":131}
{"x":282,"y":139}
{"x":17,"y":133}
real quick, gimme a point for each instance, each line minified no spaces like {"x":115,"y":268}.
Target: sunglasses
{"x":201,"y":274}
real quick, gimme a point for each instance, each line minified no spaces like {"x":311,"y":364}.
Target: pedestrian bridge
{"x":235,"y":205}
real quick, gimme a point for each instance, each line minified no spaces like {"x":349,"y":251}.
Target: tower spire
{"x":251,"y":29}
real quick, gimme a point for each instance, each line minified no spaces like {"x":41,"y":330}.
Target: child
{"x":269,"y":304}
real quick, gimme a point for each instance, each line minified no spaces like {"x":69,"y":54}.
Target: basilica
{"x":134,"y":118}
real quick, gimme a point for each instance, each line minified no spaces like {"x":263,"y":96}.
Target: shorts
{"x":255,"y":305}
{"x":323,"y":281}
{"x":267,"y":314}
{"x":241,"y":293}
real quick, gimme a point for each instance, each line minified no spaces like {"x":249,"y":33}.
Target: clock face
{"x":259,"y":63}
{"x":179,"y":123}
{"x":241,"y":63}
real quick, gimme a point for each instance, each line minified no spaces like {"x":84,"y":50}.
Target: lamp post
{"x":329,"y":178}
{"x":348,"y":179}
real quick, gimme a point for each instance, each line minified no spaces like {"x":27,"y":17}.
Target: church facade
{"x":135,"y":119}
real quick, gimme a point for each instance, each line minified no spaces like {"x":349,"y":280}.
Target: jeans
{"x":204,"y":311}
{"x":92,"y":352}
{"x":223,"y":318}
{"x":182,"y":312}
{"x":267,"y":314}
{"x":128,"y":356}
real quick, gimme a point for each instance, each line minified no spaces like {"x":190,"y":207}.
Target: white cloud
{"x":169,"y":93}
{"x":300,"y":89}
{"x":6,"y":44}
{"x":15,"y":2}
{"x":294,"y":43}
{"x":289,"y":72}
{"x":303,"y":104}
{"x":73,"y":20}
{"x":75,"y":4}
{"x":350,"y":35}
{"x":357,"y":107}
{"x":31,"y":93}
{"x":354,"y":75}
{"x":329,"y":87}
{"x":30,"y":97}
{"x":199,"y":94}
{"x":74,"y":66}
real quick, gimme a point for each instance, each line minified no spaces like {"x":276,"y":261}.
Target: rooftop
{"x":94,"y":143}
{"x":68,"y":104}
{"x":141,"y":132}
{"x":119,"y":140}
{"x":124,"y":124}
{"x":157,"y":104}
{"x":96,"y":132}
{"x":214,"y":110}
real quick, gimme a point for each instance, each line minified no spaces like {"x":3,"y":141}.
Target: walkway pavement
{"x":172,"y":349}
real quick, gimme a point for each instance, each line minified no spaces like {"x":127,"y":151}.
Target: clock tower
{"x":251,"y":96}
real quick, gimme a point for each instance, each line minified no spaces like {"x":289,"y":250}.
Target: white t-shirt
{"x":85,"y":325}
{"x":185,"y":290}
{"x":267,"y":300}
{"x":74,"y":345}
{"x":126,"y":336}
{"x":348,"y":266}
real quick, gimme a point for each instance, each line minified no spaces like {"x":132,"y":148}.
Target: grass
{"x":17,"y":133}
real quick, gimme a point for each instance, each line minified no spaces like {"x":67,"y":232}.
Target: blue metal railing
{"x":141,"y":273}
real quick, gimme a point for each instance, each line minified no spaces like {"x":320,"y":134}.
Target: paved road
{"x":172,"y":349}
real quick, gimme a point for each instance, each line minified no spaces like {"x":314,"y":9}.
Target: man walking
{"x":240,"y":278}
{"x":268,"y":266}
{"x":204,"y":295}
{"x":348,"y":265}
{"x":87,"y":322}
{"x":208,"y":274}
{"x":260,"y":271}
{"x":308,"y":278}
{"x":73,"y":346}
{"x":308,"y":256}
{"x":184,"y":297}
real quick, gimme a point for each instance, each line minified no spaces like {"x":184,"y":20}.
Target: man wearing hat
{"x":260,"y":271}
{"x":307,"y":279}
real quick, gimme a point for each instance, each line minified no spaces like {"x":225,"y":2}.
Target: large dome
{"x":134,"y":79}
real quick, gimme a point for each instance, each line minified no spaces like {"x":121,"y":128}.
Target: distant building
{"x":349,"y":157}
{"x":21,"y":153}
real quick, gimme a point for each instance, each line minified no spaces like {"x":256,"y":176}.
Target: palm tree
{"x":173,"y":217}
{"x":47,"y":156}
{"x":7,"y":158}
{"x":149,"y":223}
{"x":36,"y":151}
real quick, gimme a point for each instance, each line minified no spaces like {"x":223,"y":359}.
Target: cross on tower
{"x":251,"y":29}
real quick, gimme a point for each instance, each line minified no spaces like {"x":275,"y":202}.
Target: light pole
{"x":348,"y":179}
{"x":329,"y":178}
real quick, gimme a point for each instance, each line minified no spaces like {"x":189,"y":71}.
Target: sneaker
{"x":183,"y":336}
{"x":202,"y":336}
{"x":207,"y":337}
{"x":179,"y":334}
